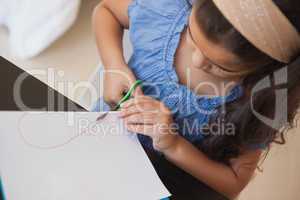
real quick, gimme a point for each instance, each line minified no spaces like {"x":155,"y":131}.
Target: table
{"x":33,"y":93}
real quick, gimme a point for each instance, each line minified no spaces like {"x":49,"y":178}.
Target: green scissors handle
{"x":129,"y":94}
{"x":125,"y":98}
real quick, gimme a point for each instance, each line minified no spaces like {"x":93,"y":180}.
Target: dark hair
{"x":250,"y":132}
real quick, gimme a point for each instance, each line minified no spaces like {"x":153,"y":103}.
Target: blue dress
{"x":155,"y":29}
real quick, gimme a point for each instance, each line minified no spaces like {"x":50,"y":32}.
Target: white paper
{"x":54,"y":156}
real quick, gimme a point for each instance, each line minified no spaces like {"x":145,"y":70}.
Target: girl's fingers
{"x":125,"y":112}
{"x":143,"y":104}
{"x":141,"y":118}
{"x":141,"y":129}
{"x":140,"y":107}
{"x":138,"y":92}
{"x":130,"y":102}
{"x":136,"y":101}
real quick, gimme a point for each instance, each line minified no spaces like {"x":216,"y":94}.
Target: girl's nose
{"x":198,"y":59}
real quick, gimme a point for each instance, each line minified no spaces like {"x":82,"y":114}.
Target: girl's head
{"x":219,"y":45}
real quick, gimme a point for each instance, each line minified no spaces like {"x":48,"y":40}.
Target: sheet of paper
{"x":59,"y":156}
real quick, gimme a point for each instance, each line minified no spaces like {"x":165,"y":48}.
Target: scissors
{"x":126,"y":97}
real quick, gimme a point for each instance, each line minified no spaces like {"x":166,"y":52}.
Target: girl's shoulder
{"x":162,"y":7}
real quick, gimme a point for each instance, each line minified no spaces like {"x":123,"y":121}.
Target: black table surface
{"x":35,"y":96}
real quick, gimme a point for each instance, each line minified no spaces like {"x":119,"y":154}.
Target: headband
{"x":263,"y":24}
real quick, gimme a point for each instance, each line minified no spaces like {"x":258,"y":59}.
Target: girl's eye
{"x":221,"y":72}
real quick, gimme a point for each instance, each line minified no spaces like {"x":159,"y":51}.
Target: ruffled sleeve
{"x":155,"y":28}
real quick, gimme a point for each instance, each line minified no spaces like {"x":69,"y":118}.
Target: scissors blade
{"x":102,"y":116}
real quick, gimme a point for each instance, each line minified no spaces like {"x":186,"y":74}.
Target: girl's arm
{"x":109,"y":21}
{"x":150,"y":117}
{"x":229,"y":181}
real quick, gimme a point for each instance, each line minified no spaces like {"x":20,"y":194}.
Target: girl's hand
{"x":117,"y":81}
{"x":150,"y":117}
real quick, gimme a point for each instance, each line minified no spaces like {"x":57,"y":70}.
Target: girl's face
{"x":210,"y":56}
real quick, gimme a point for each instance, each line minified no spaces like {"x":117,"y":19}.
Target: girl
{"x":194,"y":59}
